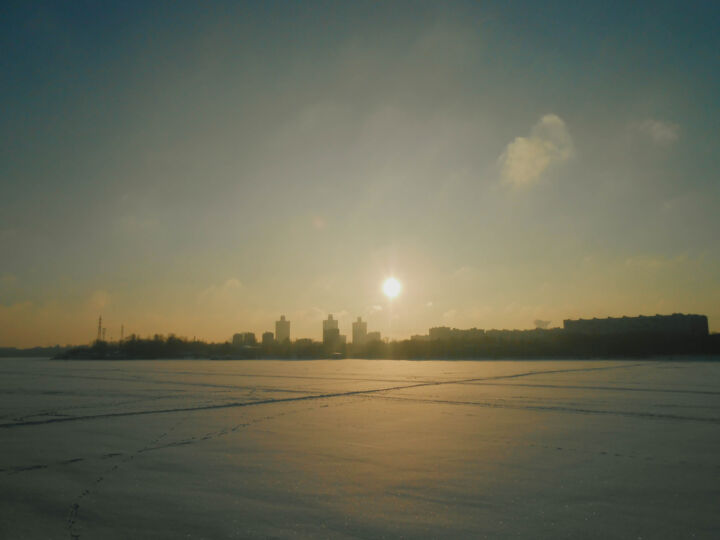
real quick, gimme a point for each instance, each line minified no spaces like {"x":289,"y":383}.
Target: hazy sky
{"x":201,"y":168}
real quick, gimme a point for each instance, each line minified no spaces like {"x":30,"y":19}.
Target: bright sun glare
{"x":391,"y":287}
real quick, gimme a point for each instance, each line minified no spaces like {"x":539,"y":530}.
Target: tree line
{"x":538,"y":344}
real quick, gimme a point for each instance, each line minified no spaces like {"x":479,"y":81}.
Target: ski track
{"x":551,"y":408}
{"x":610,"y":388}
{"x":301,"y":398}
{"x":74,"y":510}
{"x":154,"y":445}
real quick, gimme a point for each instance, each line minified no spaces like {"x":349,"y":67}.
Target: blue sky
{"x":202,"y":168}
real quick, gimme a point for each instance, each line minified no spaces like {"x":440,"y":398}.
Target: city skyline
{"x":330,"y":332}
{"x":196,"y":170}
{"x":623,"y":337}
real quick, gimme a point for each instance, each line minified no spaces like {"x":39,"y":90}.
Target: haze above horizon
{"x":201,"y":169}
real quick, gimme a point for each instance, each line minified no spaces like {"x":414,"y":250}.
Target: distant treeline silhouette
{"x":539,"y":343}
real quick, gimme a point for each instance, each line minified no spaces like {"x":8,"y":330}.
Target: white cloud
{"x":343,"y":315}
{"x":450,"y":315}
{"x":526,"y":159}
{"x":225,"y":295}
{"x":661,"y":133}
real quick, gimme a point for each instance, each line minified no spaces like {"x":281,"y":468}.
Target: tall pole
{"x":122,"y":332}
{"x":99,"y":335}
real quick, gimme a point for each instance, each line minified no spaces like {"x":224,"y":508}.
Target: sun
{"x":391,"y":287}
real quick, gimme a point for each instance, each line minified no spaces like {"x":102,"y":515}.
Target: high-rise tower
{"x":331,"y":332}
{"x":359,"y":331}
{"x":282,"y":330}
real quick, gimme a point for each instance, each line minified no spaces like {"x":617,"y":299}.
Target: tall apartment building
{"x":282,"y":330}
{"x":359,"y":332}
{"x":331,"y":332}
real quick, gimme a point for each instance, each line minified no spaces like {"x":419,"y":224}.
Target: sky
{"x":201,"y":168}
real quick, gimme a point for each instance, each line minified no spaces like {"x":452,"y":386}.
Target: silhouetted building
{"x":373,"y":336}
{"x":331,"y":332}
{"x":469,"y":334}
{"x":331,"y":337}
{"x":244,"y":338}
{"x":444,"y":333}
{"x":268,"y":338}
{"x":522,"y":336}
{"x":439,"y":333}
{"x":359,"y":332}
{"x":419,"y":337}
{"x":282,"y":329}
{"x":676,"y":324}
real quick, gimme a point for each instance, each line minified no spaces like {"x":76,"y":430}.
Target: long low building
{"x":676,"y":324}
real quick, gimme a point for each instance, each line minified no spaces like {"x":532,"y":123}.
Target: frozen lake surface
{"x":359,"y":449}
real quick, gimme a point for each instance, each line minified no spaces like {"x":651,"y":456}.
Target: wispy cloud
{"x":224,"y":295}
{"x":450,"y":315}
{"x":661,"y":133}
{"x":526,"y":159}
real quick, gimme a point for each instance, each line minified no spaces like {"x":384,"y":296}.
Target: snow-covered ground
{"x":359,"y":449}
